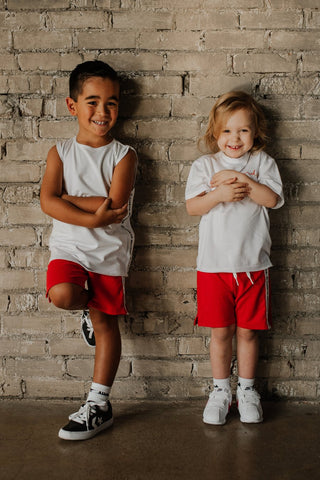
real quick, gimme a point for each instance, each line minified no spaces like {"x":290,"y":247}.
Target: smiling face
{"x":97,"y":110}
{"x":237,"y":134}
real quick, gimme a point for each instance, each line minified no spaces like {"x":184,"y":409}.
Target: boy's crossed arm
{"x":90,"y":212}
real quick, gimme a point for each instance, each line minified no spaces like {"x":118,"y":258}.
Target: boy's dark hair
{"x":86,"y":70}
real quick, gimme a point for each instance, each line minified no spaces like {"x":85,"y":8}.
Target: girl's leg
{"x":221,"y":351}
{"x":220,"y":398}
{"x":69,"y":296}
{"x":247,"y":352}
{"x":248,"y":399}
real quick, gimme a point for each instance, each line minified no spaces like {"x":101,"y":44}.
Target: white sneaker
{"x":249,"y":405}
{"x":218,"y":406}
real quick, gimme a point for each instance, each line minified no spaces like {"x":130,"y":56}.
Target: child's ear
{"x":71,"y":104}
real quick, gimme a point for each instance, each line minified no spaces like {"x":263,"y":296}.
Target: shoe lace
{"x":83,"y":414}
{"x":251,"y":395}
{"x":89,"y":325}
{"x":219,"y":396}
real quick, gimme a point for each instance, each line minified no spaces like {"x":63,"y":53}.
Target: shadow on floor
{"x":160,"y":441}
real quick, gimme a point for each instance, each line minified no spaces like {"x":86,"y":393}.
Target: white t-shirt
{"x":88,"y":171}
{"x":234,"y":236}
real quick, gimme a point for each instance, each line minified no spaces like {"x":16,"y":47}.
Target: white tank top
{"x":88,"y":171}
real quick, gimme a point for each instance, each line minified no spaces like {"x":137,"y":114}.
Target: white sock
{"x":245,"y":382}
{"x":98,"y":393}
{"x":222,"y":383}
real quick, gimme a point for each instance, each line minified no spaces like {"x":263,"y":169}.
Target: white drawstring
{"x":236,"y":279}
{"x":249,"y":276}
{"x":235,"y":276}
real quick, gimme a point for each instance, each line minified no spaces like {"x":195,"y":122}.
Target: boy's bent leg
{"x":69,"y":296}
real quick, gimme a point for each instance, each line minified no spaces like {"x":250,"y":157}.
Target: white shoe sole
{"x":66,"y":435}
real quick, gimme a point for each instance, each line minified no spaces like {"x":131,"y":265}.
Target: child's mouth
{"x":99,"y":123}
{"x":236,"y":147}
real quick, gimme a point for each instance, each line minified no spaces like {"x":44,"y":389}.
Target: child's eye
{"x":112,"y":105}
{"x":92,"y":103}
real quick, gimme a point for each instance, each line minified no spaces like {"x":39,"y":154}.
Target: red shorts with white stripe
{"x":226,"y":299}
{"x":107,"y":292}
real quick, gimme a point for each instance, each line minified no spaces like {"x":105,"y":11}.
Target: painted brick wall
{"x":175,"y":58}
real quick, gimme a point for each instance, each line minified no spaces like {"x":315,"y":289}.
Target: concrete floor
{"x":160,"y":441}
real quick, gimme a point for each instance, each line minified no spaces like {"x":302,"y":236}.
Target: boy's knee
{"x":63,"y":296}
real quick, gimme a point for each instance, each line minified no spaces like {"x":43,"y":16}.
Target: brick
{"x":21,"y":347}
{"x":147,"y":21}
{"x":15,"y":280}
{"x":197,"y":62}
{"x":22,"y":150}
{"x":290,"y":40}
{"x":192,"y":346}
{"x":169,"y":41}
{"x":145,"y":107}
{"x":41,"y":40}
{"x":208,"y":4}
{"x":39,"y":61}
{"x":68,"y":346}
{"x":28,"y":368}
{"x":313,"y":19}
{"x":264,"y":62}
{"x":58,"y":129}
{"x":304,"y":129}
{"x":42,"y":4}
{"x":153,"y":85}
{"x":134,"y":62}
{"x":8,"y":62}
{"x":18,"y":20}
{"x":44,"y":388}
{"x":234,"y":40}
{"x":27,"y":215}
{"x":177,"y":216}
{"x":208,"y":20}
{"x":166,"y":302}
{"x":174,"y":129}
{"x":191,"y":106}
{"x":31,"y":107}
{"x":293,"y":4}
{"x":79,"y":19}
{"x":150,"y":347}
{"x":22,"y":303}
{"x":213,"y":86}
{"x":161,"y":368}
{"x":145,"y":280}
{"x":30,"y":258}
{"x":289,"y":86}
{"x":106,"y":40}
{"x":19,"y":236}
{"x":294,"y":389}
{"x":182,"y":280}
{"x":311,"y":62}
{"x":271,"y":19}
{"x":185,"y":4}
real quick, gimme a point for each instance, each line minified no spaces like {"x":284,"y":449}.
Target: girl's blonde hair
{"x":222,"y":110}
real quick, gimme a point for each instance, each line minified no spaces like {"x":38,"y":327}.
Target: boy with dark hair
{"x":88,"y":189}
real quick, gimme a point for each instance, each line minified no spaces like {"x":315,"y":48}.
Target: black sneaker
{"x":87,"y":329}
{"x":90,"y":420}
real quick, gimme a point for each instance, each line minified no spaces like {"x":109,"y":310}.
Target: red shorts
{"x":107,"y":293}
{"x":226,"y":299}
